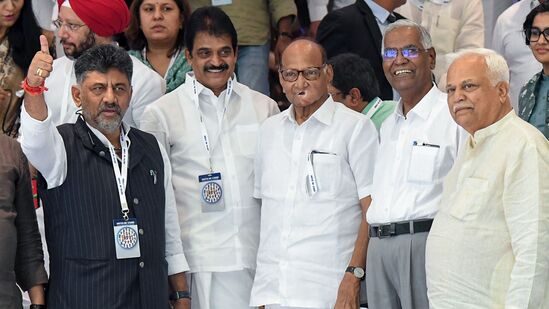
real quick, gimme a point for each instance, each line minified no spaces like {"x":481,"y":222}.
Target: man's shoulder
{"x":526,"y":134}
{"x":143,"y":72}
{"x":256,"y":98}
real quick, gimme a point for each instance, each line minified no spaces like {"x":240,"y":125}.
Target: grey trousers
{"x":395,"y":272}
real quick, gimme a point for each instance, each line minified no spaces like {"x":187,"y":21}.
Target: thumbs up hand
{"x":41,"y":65}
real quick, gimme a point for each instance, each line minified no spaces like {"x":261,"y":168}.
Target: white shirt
{"x":510,"y":43}
{"x":453,"y":26}
{"x":319,"y":8}
{"x":307,"y":242}
{"x":488,"y":246}
{"x":408,"y":178}
{"x":147,"y":86}
{"x":492,"y":10}
{"x":44,"y":147}
{"x":213,"y":241}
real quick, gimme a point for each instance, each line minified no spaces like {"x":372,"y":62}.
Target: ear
{"x":76,"y":95}
{"x":188,"y":55}
{"x":432,"y":58}
{"x":503,"y":91}
{"x":356,"y":96}
{"x":329,"y":73}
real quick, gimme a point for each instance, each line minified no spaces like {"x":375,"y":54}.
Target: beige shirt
{"x":489,"y":244}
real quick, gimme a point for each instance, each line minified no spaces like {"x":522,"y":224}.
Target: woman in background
{"x":155,"y":36}
{"x":19,"y":42}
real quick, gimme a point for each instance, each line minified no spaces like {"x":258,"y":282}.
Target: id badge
{"x":211,"y":192}
{"x":126,"y":238}
{"x":221,"y":2}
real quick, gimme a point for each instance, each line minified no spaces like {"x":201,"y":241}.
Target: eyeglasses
{"x":407,"y":52}
{"x":291,"y":75}
{"x":68,"y":26}
{"x":533,"y":34}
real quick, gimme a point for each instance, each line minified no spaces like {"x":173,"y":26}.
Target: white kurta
{"x":488,"y":246}
{"x":416,"y":152}
{"x":307,"y":241}
{"x":147,"y":86}
{"x":213,"y":241}
{"x":509,"y":42}
{"x":492,"y":10}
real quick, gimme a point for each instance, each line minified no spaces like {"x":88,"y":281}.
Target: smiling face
{"x":213,"y":60}
{"x":540,"y":49}
{"x":9,"y":12}
{"x":473,"y":101}
{"x":104,"y":99}
{"x":409,"y":76}
{"x":161,"y":20}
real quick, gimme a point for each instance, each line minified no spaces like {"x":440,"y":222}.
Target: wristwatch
{"x":358,"y":272}
{"x":177,"y":295}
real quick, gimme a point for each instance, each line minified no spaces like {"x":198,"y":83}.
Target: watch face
{"x":358,"y":272}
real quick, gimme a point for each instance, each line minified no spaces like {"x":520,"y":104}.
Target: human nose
{"x":9,"y":5}
{"x":157,"y":13}
{"x":400,"y":57}
{"x":109,"y":96}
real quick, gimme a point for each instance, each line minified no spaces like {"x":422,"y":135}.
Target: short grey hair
{"x":498,"y":70}
{"x":102,"y":58}
{"x":424,"y":35}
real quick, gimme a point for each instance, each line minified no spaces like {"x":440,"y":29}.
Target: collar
{"x":237,"y":87}
{"x":424,"y":107}
{"x":379,"y":12}
{"x":102,"y":137}
{"x":323,"y":114}
{"x":483,"y":134}
{"x":534,"y":3}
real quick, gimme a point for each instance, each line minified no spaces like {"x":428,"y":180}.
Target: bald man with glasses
{"x":313,"y":173}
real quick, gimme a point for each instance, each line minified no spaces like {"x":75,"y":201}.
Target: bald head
{"x":306,"y":47}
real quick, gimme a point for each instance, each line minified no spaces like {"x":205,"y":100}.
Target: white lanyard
{"x":375,"y":107}
{"x":205,"y":139}
{"x":121,"y":173}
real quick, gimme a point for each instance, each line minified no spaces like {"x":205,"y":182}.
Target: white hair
{"x":498,"y":70}
{"x":424,"y":35}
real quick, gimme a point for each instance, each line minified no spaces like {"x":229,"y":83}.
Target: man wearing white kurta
{"x":79,"y":31}
{"x":418,"y":145}
{"x":488,"y":243}
{"x":314,"y":175}
{"x":221,"y":237}
{"x":509,"y":42}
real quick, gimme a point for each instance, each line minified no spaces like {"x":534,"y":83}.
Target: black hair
{"x":102,"y":58}
{"x":527,"y":25}
{"x":353,"y":71}
{"x":212,"y":20}
{"x":136,"y":37}
{"x":23,"y":37}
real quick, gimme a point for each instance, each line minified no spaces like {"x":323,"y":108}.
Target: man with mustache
{"x":110,"y":216}
{"x":488,"y":243}
{"x":209,"y":126}
{"x":81,"y":25}
{"x":418,"y":145}
{"x":314,"y":172}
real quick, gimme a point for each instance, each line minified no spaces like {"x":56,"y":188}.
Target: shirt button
{"x":141,"y":232}
{"x":101,"y":153}
{"x":141,"y":264}
{"x":136,"y":201}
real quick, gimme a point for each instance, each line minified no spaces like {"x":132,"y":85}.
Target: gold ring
{"x":39,"y":72}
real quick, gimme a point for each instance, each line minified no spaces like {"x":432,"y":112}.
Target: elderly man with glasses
{"x":418,"y":145}
{"x":314,"y":174}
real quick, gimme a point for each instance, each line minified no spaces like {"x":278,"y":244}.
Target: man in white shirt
{"x":83,"y":24}
{"x":209,"y":126}
{"x":314,"y":172}
{"x":418,"y":145}
{"x":508,"y":40}
{"x":488,"y":243}
{"x":113,"y":241}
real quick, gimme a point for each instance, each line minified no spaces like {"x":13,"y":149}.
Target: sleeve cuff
{"x":177,"y":264}
{"x":364,"y":192}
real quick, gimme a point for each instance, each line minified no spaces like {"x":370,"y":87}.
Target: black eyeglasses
{"x":291,"y":75}
{"x":407,"y":52}
{"x":533,"y":34}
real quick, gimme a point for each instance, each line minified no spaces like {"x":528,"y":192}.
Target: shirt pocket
{"x":246,"y":137}
{"x":468,"y":200}
{"x":327,"y":169}
{"x":423,"y":164}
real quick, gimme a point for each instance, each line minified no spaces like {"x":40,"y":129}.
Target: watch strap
{"x":351,"y":269}
{"x":179,"y":295}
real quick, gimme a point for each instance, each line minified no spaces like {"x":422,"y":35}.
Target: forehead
{"x":205,"y":40}
{"x":112,"y":76}
{"x":159,"y":2}
{"x":470,"y":67}
{"x":541,"y":20}
{"x":67,"y":14}
{"x":302,"y":54}
{"x":402,"y":37}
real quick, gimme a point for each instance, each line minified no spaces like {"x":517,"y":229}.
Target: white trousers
{"x":221,"y":290}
